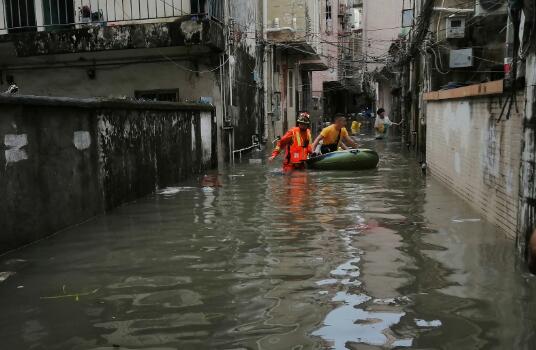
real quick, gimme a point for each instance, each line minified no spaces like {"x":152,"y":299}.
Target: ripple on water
{"x":169,"y":299}
{"x":152,"y":332}
{"x":153,"y":282}
{"x":177,"y":298}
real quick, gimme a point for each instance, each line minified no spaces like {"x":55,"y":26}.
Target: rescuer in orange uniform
{"x":297,"y":143}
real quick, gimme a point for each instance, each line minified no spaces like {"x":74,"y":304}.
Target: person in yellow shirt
{"x":356,"y":127}
{"x":334,"y":136}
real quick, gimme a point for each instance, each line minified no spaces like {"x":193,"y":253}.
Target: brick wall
{"x":477,"y":156}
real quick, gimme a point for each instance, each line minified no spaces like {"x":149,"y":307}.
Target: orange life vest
{"x":299,"y":149}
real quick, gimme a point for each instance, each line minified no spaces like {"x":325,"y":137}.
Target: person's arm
{"x":347,"y":140}
{"x":317,"y":141}
{"x":281,"y":144}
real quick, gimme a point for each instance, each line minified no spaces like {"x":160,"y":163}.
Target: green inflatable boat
{"x":355,"y":159}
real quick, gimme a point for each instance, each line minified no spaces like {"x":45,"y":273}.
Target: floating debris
{"x":76,"y":296}
{"x":465,"y":220}
{"x":428,"y":324}
{"x":392,"y":301}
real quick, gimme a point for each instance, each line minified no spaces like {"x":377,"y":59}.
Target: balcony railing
{"x":52,"y":15}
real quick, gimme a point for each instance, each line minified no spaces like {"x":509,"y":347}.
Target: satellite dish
{"x":491,"y":5}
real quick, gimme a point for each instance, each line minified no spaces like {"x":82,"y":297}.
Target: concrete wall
{"x":476,"y":156}
{"x":66,"y":160}
{"x":121,"y":80}
{"x":384,"y":98}
{"x":117,"y":80}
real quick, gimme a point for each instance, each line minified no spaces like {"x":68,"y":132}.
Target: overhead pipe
{"x":453,"y":10}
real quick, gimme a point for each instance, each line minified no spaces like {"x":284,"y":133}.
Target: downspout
{"x":228,"y":123}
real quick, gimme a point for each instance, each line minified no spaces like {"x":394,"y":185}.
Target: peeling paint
{"x":81,"y":140}
{"x":132,"y":36}
{"x":206,"y":136}
{"x":15,"y":143}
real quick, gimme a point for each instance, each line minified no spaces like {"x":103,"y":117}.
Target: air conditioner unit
{"x":491,"y":7}
{"x":455,"y":27}
{"x":461,"y":58}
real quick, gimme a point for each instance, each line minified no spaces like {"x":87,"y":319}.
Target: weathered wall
{"x":122,"y":80}
{"x":246,"y":106}
{"x":182,"y":32}
{"x":476,"y":155}
{"x":66,"y":160}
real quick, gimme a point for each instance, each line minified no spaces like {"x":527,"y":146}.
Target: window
{"x":158,"y":95}
{"x":407,"y":18}
{"x":328,"y":10}
{"x":290,"y":88}
{"x":407,"y":13}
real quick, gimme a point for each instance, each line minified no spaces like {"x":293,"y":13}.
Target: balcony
{"x":45,"y":27}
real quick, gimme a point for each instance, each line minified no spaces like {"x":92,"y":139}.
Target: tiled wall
{"x":477,"y":156}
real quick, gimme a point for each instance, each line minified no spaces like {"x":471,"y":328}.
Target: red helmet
{"x":303,"y":118}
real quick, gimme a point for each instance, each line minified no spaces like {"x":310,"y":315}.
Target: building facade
{"x":293,"y":52}
{"x":339,"y":88}
{"x":385,"y":22}
{"x":181,"y":50}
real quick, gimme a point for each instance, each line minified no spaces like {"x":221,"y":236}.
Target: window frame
{"x":403,"y":24}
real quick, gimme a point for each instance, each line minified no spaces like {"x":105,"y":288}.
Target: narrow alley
{"x":267,"y":174}
{"x":253,"y":259}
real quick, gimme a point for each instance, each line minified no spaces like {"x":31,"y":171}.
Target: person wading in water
{"x":382,"y":124}
{"x":334,"y":136}
{"x":297,"y":144}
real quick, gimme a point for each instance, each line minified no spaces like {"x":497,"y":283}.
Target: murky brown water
{"x":369,"y":260}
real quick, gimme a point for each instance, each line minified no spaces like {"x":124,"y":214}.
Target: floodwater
{"x":252,"y":259}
